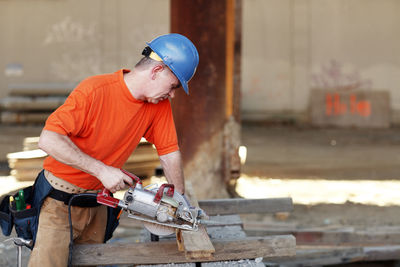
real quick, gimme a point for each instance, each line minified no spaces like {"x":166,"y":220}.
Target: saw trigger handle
{"x":105,"y":198}
{"x":134,"y":177}
{"x":160,"y":192}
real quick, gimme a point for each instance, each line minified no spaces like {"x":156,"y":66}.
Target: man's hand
{"x":114,"y":179}
{"x":64,"y":150}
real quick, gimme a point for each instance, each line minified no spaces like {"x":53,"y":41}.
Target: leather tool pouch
{"x":6,"y":219}
{"x":25,"y":221}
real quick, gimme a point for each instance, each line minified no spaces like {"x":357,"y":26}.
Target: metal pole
{"x":19,"y":255}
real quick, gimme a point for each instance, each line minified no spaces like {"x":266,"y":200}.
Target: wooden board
{"x":40,"y":89}
{"x":167,"y":252}
{"x":15,"y":117}
{"x":240,"y":205}
{"x":31,"y":103}
{"x":31,"y":143}
{"x":329,"y":235}
{"x":196,"y":244}
{"x":25,"y":175}
{"x":329,"y":255}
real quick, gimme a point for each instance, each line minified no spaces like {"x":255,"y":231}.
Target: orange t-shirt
{"x":106,"y":122}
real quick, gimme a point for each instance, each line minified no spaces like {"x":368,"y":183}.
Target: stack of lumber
{"x":33,"y":102}
{"x":328,"y":245}
{"x":143,"y":161}
{"x":26,"y":165}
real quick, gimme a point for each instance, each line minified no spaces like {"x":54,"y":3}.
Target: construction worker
{"x":93,"y":133}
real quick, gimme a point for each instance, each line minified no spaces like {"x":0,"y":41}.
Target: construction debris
{"x":33,"y":102}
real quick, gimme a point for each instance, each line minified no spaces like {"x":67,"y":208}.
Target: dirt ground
{"x":336,"y":177}
{"x":343,"y":177}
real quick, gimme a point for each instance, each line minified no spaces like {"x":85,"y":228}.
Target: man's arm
{"x":172,"y":166}
{"x":65,"y":151}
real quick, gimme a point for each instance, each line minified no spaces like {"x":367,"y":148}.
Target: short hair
{"x":146,"y":62}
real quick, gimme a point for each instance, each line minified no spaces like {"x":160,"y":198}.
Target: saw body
{"x":161,"y":209}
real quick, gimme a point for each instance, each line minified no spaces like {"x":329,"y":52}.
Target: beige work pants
{"x":53,"y":236}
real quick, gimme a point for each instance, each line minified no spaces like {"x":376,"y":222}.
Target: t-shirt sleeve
{"x":162,"y":132}
{"x":69,"y":119}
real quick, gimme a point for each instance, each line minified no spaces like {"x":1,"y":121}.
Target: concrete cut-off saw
{"x":161,"y":212}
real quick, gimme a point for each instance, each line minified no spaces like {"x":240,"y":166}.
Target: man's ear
{"x":156,"y":70}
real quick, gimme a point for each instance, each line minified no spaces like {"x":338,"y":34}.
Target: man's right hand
{"x":114,"y":179}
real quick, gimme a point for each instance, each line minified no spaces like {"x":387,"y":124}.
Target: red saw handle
{"x":105,"y":198}
{"x":160,"y":192}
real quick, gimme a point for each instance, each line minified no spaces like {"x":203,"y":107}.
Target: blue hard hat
{"x":179,"y":54}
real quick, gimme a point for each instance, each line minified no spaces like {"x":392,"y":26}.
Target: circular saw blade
{"x":158,"y":229}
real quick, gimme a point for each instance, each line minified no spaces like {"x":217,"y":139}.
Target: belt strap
{"x":82,"y":200}
{"x":63,"y":185}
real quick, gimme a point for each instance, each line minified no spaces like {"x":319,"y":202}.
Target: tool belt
{"x":26,"y":221}
{"x":64,"y":191}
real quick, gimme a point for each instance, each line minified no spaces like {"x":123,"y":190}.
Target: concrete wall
{"x":68,"y":40}
{"x":291,"y":46}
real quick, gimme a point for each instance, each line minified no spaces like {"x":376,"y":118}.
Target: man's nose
{"x":172,"y":93}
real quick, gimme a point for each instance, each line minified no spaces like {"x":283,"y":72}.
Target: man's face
{"x":163,"y":86}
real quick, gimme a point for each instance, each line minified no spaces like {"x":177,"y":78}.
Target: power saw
{"x":161,"y":212}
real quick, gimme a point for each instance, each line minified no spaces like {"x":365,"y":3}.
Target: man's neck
{"x":132,"y":81}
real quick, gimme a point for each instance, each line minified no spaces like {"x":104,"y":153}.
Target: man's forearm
{"x":172,"y":166}
{"x":65,"y":151}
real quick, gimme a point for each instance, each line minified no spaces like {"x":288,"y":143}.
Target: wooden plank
{"x":225,"y":220}
{"x":328,"y":255}
{"x":16,"y":117}
{"x":319,"y":256}
{"x":141,"y":157}
{"x":197,"y":244}
{"x":26,"y":163}
{"x":382,"y":253}
{"x":38,"y":153}
{"x":31,"y":143}
{"x":31,"y":103}
{"x":328,"y":235}
{"x":40,"y":89}
{"x":167,"y":252}
{"x":240,"y":206}
{"x":25,"y":175}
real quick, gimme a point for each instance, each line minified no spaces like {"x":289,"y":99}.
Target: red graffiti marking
{"x":334,"y":106}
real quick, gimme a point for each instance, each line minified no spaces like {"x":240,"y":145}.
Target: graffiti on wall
{"x":336,"y":75}
{"x":334,"y":106}
{"x":336,"y":78}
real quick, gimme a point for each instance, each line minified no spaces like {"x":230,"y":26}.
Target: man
{"x":90,"y":137}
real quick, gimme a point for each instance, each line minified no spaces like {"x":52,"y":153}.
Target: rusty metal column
{"x":202,"y":117}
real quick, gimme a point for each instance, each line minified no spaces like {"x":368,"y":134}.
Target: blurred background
{"x":308,"y":91}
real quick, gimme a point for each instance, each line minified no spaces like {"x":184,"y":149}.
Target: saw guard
{"x":160,"y":192}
